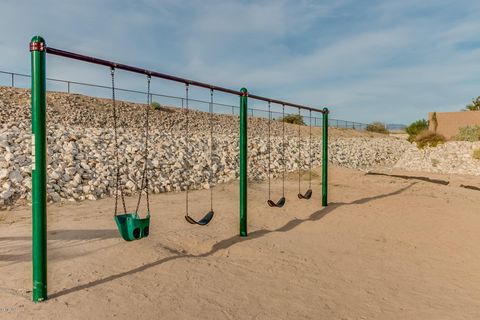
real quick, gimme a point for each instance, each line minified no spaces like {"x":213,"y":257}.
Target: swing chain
{"x":211,"y":149}
{"x":283,"y":151}
{"x":269,"y":150}
{"x":145,"y":182}
{"x":310,"y":152}
{"x":187,"y":146}
{"x":299,"y":153}
{"x":117,"y":159}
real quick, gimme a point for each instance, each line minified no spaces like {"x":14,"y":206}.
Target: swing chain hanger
{"x":155,"y":74}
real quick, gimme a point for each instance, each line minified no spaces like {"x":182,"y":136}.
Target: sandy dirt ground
{"x":385,"y":248}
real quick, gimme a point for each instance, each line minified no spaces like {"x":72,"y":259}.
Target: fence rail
{"x":232,"y":109}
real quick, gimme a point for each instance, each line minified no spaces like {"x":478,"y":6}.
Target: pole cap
{"x":244,"y":92}
{"x":37,"y":44}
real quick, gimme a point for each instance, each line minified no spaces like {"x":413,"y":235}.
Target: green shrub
{"x":468,"y":133}
{"x":415,"y":128}
{"x":474,"y":106}
{"x":293,"y":118}
{"x":377,"y":127}
{"x":155,"y":105}
{"x":428,"y":138}
{"x":476,"y":153}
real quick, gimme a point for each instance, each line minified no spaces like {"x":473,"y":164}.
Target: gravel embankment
{"x":81,"y":154}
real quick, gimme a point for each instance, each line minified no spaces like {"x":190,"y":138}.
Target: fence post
{"x":325,"y":158}
{"x":243,"y":161}
{"x":68,"y":86}
{"x":39,"y":169}
{"x":13,"y":80}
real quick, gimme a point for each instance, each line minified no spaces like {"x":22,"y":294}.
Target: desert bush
{"x":293,"y":118}
{"x":156,"y":106}
{"x":427,"y":138}
{"x":468,"y":133}
{"x":474,"y":106}
{"x":415,"y":128}
{"x":377,"y":127}
{"x":476,"y":154}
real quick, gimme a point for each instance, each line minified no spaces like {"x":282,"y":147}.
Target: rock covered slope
{"x":453,"y":157}
{"x":81,"y":148}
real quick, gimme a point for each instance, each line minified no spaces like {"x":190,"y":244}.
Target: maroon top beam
{"x":111,"y":64}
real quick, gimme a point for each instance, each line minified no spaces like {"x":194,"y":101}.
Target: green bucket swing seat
{"x":132,"y":227}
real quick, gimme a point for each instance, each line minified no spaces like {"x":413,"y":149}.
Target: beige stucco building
{"x":450,"y":122}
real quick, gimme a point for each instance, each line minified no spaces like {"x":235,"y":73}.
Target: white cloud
{"x":371,"y":60}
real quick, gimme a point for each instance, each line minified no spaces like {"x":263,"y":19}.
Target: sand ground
{"x":385,"y":248}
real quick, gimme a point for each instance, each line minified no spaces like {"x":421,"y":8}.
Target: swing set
{"x":131,"y":224}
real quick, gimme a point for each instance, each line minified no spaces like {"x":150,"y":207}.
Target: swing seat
{"x":305,"y":196}
{"x":280,"y":203}
{"x":202,"y":222}
{"x":132,"y":227}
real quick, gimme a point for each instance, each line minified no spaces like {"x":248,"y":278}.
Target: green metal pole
{"x":39,"y":170}
{"x":325,"y":158}
{"x":243,"y":161}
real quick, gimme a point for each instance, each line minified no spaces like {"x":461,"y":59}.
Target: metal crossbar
{"x":120,"y":66}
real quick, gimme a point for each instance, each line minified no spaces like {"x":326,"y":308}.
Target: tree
{"x":377,"y":127}
{"x":155,"y":105}
{"x":293,"y":118}
{"x":474,"y":106}
{"x":415,"y":128}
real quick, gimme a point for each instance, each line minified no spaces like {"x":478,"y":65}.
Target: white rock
{"x":55,"y":175}
{"x":55,"y":197}
{"x":77,"y":179}
{"x":15,"y":176}
{"x":6,"y":194}
{"x":4,"y":174}
{"x":130,"y":185}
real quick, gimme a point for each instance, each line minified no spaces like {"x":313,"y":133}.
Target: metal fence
{"x":12,"y":79}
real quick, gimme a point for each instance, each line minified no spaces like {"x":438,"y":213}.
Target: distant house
{"x":448,"y":123}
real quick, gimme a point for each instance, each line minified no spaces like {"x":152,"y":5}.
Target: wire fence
{"x":17,"y":80}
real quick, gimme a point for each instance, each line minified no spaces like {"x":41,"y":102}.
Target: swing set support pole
{"x":243,"y":161}
{"x":39,"y":170}
{"x":325,"y":157}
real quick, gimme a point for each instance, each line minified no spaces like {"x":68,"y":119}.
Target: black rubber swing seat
{"x":305,"y":196}
{"x":280,"y":203}
{"x":202,"y":222}
{"x":132,"y":227}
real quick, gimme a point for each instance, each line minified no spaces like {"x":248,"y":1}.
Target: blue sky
{"x":392,"y":61}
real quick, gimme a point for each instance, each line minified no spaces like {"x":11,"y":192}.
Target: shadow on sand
{"x":224,"y":244}
{"x":74,"y":234}
{"x":75,"y":237}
